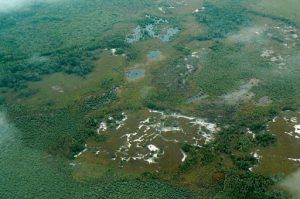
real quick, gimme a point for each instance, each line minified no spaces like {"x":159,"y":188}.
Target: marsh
{"x":149,"y":99}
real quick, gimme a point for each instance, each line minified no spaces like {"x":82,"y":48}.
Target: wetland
{"x":149,"y":99}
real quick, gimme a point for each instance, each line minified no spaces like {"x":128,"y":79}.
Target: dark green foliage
{"x":16,"y":73}
{"x":115,"y":120}
{"x":29,"y":173}
{"x":265,"y":139}
{"x":116,"y":41}
{"x":185,"y":51}
{"x":187,"y":148}
{"x":27,"y":92}
{"x":291,"y":107}
{"x":192,"y":157}
{"x":207,"y":155}
{"x":188,"y":164}
{"x":244,"y":143}
{"x":150,"y":19}
{"x":65,"y":44}
{"x":71,"y":43}
{"x":109,"y":83}
{"x":234,"y":137}
{"x":47,"y":130}
{"x":93,"y":102}
{"x":2,"y":100}
{"x":248,"y":185}
{"x":225,"y":139}
{"x":131,"y":54}
{"x":280,"y":87}
{"x":222,"y":72}
{"x":204,"y":155}
{"x":76,"y":147}
{"x":257,"y":126}
{"x":222,"y":19}
{"x":244,"y":162}
{"x":273,"y":17}
{"x":256,"y":119}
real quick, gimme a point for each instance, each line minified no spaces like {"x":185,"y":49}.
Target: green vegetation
{"x":247,"y":185}
{"x":61,"y":46}
{"x":265,"y":139}
{"x":245,"y":162}
{"x":58,"y":83}
{"x":222,"y":19}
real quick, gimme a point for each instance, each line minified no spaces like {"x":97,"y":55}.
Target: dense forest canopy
{"x":149,"y":99}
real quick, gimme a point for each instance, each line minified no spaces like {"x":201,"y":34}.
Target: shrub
{"x":222,"y":19}
{"x":265,"y":139}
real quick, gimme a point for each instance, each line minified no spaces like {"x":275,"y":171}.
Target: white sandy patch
{"x":294,"y":159}
{"x":102,"y":127}
{"x":113,"y":51}
{"x":195,"y":55}
{"x":176,"y":115}
{"x":72,"y":164}
{"x":81,"y":152}
{"x":153,"y":128}
{"x":297,"y":129}
{"x":57,"y":89}
{"x":267,"y":53}
{"x":251,"y":133}
{"x":184,"y":155}
{"x":155,"y":111}
{"x":294,"y":119}
{"x":150,"y":160}
{"x":255,"y":155}
{"x":162,"y":10}
{"x":122,"y":122}
{"x":152,"y":147}
{"x":167,"y":129}
{"x":196,"y":11}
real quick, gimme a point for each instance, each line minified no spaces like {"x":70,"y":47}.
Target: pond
{"x":154,"y":55}
{"x":135,"y":73}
